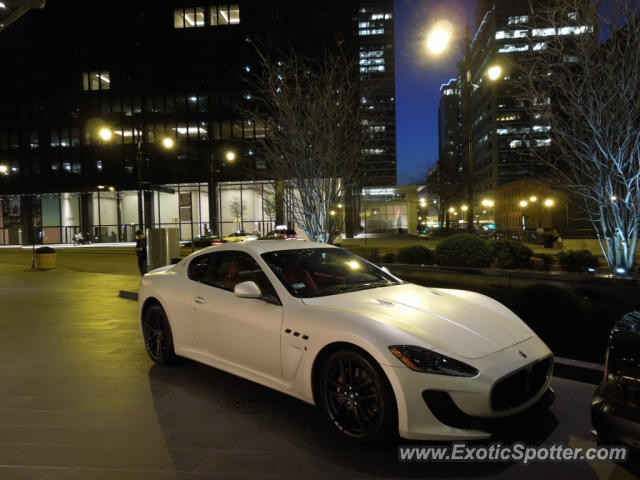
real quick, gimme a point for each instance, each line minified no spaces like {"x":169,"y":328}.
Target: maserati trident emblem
{"x":524,"y":355}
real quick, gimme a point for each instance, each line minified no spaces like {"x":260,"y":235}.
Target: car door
{"x":242,"y":331}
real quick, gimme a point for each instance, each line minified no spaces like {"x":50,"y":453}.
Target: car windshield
{"x":316,"y":272}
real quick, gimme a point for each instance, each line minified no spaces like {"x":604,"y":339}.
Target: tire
{"x":357,"y":397}
{"x":158,"y":338}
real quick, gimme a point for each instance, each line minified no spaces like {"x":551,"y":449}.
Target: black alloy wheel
{"x":357,"y":397}
{"x":157,"y":335}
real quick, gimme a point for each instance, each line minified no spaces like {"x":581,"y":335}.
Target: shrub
{"x":510,"y":254}
{"x":578,"y":260}
{"x":463,"y":251}
{"x":370,"y":253}
{"x":388,"y":257}
{"x":547,"y":260}
{"x":415,"y":254}
{"x":45,"y":250}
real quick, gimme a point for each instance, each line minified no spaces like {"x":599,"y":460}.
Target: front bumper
{"x":610,"y":425}
{"x":468,"y":398}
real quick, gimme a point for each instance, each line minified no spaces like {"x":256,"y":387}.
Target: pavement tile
{"x":163,"y":459}
{"x":267,"y":463}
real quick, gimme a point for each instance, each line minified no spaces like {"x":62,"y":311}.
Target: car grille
{"x":520,"y":387}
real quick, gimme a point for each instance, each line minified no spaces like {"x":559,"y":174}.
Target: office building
{"x":103,"y":100}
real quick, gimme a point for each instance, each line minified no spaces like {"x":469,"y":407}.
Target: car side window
{"x":198,"y":268}
{"x":227,"y":269}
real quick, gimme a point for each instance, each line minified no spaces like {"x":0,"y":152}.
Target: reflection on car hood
{"x":463,"y":323}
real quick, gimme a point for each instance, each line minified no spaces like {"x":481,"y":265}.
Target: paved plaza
{"x":80,"y":399}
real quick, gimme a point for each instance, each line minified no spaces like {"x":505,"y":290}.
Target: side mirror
{"x":248,"y":289}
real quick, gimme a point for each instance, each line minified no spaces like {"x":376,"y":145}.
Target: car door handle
{"x":200,"y":300}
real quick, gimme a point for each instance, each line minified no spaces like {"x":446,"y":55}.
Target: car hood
{"x":463,"y":323}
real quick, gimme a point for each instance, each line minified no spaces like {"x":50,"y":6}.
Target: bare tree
{"x":316,"y":133}
{"x":446,"y":183}
{"x":585,"y":86}
{"x":239,"y":210}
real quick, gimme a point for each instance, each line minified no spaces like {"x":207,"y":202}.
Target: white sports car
{"x":379,"y":355}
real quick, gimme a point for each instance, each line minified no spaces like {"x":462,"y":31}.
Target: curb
{"x":577,"y":370}
{"x":128,"y":295}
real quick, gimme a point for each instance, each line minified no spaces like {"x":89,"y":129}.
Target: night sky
{"x":418,"y":79}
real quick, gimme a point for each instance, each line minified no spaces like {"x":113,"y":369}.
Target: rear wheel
{"x":357,"y":397}
{"x":158,"y":339}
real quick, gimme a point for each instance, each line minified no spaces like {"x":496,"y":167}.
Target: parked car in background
{"x":615,"y":408}
{"x":378,"y":355}
{"x":240,"y":236}
{"x":288,"y":234}
{"x":202,"y":241}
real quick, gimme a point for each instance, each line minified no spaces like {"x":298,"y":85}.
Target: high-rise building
{"x":90,"y":91}
{"x":505,"y":132}
{"x":377,"y":74}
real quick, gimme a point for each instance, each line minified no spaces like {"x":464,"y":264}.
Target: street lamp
{"x":494,"y":72}
{"x":437,"y":40}
{"x":106,"y":134}
{"x":4,"y":170}
{"x":216,"y":161}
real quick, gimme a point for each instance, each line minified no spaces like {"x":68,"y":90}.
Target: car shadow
{"x":250,"y":429}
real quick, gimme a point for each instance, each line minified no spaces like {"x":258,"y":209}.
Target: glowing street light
{"x":464,"y":208}
{"x":523,"y":203}
{"x":548,"y":202}
{"x":167,"y":142}
{"x":494,"y":72}
{"x":439,"y":37}
{"x":533,"y":198}
{"x":451,"y":210}
{"x":230,"y":156}
{"x":487,"y":203}
{"x":4,"y":170}
{"x":105,"y":134}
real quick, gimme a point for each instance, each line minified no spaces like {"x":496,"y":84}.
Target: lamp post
{"x":217,"y":160}
{"x":106,"y":134}
{"x":437,"y":41}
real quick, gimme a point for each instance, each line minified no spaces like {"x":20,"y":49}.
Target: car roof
{"x":264,"y":246}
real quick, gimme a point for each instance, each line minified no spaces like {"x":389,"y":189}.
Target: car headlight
{"x":423,"y":360}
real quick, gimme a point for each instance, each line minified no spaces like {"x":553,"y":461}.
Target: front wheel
{"x":357,"y":397}
{"x":158,"y":339}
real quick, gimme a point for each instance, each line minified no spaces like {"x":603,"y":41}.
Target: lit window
{"x":500,"y":34}
{"x":188,"y":17}
{"x":575,"y":30}
{"x":513,"y":48}
{"x":540,"y":46}
{"x":543,"y":32}
{"x":372,"y":31}
{"x":372,"y":61}
{"x":515,"y":143}
{"x":96,"y":80}
{"x":371,"y":53}
{"x":543,"y":142}
{"x":372,"y":151}
{"x":234,"y":14}
{"x":374,"y":68}
{"x":542,"y":128}
{"x":508,"y":117}
{"x":572,"y":15}
{"x":518,"y":20}
{"x":178,"y":18}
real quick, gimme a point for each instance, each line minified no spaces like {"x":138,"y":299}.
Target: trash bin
{"x":162,"y":246}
